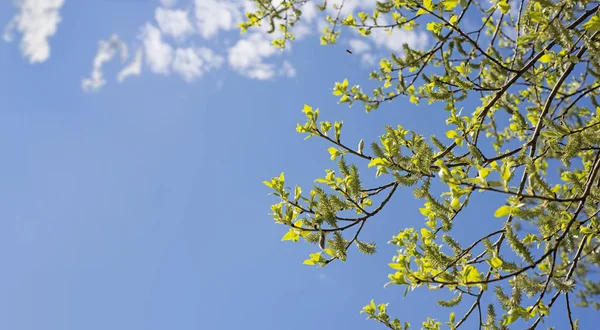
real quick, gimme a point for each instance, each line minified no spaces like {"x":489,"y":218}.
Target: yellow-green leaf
{"x":455,"y":203}
{"x":428,"y":4}
{"x":546,"y":58}
{"x":502,"y":211}
{"x":414,"y":99}
{"x":471,"y":274}
{"x":496,"y":262}
{"x":504,"y":6}
{"x":451,"y":134}
{"x":450,"y":4}
{"x":377,"y":162}
{"x":510,"y":319}
{"x":484,"y":172}
{"x":593,"y":24}
{"x":397,"y":266}
{"x":291,"y":235}
{"x":297,"y":193}
{"x":307,"y":109}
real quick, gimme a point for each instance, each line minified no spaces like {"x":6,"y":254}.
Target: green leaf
{"x":297,"y":193}
{"x":397,"y":266}
{"x":386,"y":66}
{"x":511,"y":318}
{"x":543,"y":309}
{"x":496,"y":262}
{"x":279,"y":43}
{"x":546,"y":58}
{"x":586,"y":230}
{"x":377,"y":162}
{"x":451,"y":134}
{"x":450,"y":4}
{"x":307,"y":109}
{"x":428,"y":4}
{"x":453,"y":19}
{"x":316,"y":256}
{"x":291,"y":235}
{"x":502,"y":211}
{"x":471,"y":274}
{"x":593,"y":24}
{"x":455,"y":203}
{"x":484,"y":172}
{"x":425,"y":211}
{"x":333,"y":152}
{"x":504,"y":6}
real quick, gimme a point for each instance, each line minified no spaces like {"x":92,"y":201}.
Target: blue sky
{"x":137,"y":203}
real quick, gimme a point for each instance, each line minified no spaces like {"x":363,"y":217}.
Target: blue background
{"x":141,"y":207}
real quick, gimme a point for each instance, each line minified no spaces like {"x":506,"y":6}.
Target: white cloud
{"x":287,"y":70}
{"x":394,"y":42}
{"x":362,"y":48}
{"x":107,"y":49}
{"x":309,"y":12}
{"x":359,"y":46}
{"x":247,"y":57}
{"x":174,"y":22}
{"x":36,"y":22}
{"x":215,"y":15}
{"x":192,"y":63}
{"x":159,"y":54}
{"x":168,"y":3}
{"x":301,"y":31}
{"x":350,"y":6}
{"x":368,"y":59}
{"x":132,"y":69}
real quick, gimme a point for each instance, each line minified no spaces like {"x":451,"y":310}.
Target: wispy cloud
{"x":168,"y":3}
{"x":132,"y":69}
{"x":107,"y":49}
{"x":169,"y":42}
{"x":359,"y":46}
{"x":36,"y":21}
{"x":287,"y":70}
